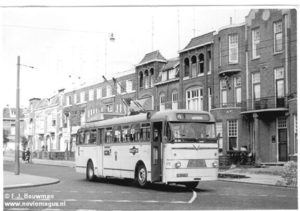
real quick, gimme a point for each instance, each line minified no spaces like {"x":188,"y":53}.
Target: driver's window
{"x":157,"y":130}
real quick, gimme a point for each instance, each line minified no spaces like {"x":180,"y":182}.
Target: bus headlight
{"x":215,"y":164}
{"x":177,"y":164}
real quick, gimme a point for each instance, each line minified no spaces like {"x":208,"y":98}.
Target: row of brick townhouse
{"x":244,"y":74}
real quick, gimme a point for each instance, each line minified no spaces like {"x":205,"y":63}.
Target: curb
{"x":253,"y":183}
{"x":29,"y":185}
{"x":41,"y":163}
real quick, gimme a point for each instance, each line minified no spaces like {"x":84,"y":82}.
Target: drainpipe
{"x":286,"y":55}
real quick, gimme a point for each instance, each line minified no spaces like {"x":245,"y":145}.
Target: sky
{"x":70,"y":46}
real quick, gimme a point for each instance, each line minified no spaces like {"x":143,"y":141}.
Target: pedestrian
{"x":24,"y":155}
{"x":28,"y":155}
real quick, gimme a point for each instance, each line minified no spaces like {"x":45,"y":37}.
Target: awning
{"x":145,"y":103}
{"x":229,"y":72}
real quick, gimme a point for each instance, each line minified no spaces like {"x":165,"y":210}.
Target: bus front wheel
{"x":141,"y":177}
{"x":191,"y":184}
{"x":90,"y":171}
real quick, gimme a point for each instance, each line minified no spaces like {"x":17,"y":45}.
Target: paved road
{"x":77,"y":193}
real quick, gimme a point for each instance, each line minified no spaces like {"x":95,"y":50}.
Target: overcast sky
{"x":65,"y":43}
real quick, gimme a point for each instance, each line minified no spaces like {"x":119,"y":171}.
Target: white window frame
{"x":118,"y":88}
{"x":233,"y":45}
{"x":174,"y":100}
{"x":109,"y":108}
{"x":108,"y":91}
{"x":255,"y":43}
{"x":209,"y":62}
{"x":194,"y":98}
{"x":91,"y":94}
{"x":232,"y":132}
{"x":75,"y":98}
{"x":256,"y":81}
{"x":223,"y":93}
{"x":209,"y":98}
{"x":237,"y":86}
{"x":172,"y":73}
{"x":162,"y":102}
{"x":164,"y":75}
{"x":219,"y":130}
{"x":99,"y":93}
{"x":278,"y":31}
{"x":129,"y":85}
{"x":82,"y":97}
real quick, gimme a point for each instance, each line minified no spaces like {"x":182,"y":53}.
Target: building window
{"x":172,"y":73}
{"x":75,"y":98}
{"x":194,"y":99}
{"x":146,"y":79}
{"x":201,"y":63}
{"x":82,"y":100}
{"x":194,"y":66}
{"x":164,"y":75}
{"x":69,"y":99}
{"x":151,"y":77}
{"x":278,"y":37}
{"x":108,"y":91}
{"x":233,"y":48}
{"x":209,"y":62}
{"x":129,"y":85}
{"x":141,"y":80}
{"x":12,"y":129}
{"x":109,"y":108}
{"x":238,"y":91}
{"x":223,"y":93}
{"x":175,"y":100}
{"x":255,"y":43}
{"x":209,"y":98}
{"x":99,"y":93}
{"x":295,"y":134}
{"x":232,"y":134}
{"x":186,"y":67}
{"x":91,"y":95}
{"x":256,"y":90}
{"x":162,"y":101}
{"x":279,"y":86}
{"x":219,"y":130}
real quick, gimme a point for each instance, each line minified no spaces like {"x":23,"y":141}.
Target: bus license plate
{"x":182,"y":175}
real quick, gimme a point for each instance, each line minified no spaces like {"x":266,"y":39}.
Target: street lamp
{"x":111,"y":39}
{"x":17,"y":141}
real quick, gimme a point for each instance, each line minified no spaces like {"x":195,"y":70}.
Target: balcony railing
{"x":226,"y":105}
{"x":264,"y":103}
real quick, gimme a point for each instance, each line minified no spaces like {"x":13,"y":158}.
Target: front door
{"x":156,"y":141}
{"x":282,"y":144}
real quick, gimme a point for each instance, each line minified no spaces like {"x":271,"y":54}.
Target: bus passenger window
{"x":93,"y":136}
{"x":145,"y":134}
{"x":117,"y":137}
{"x":108,"y":136}
{"x":86,"y":137}
{"x":136,"y":135}
{"x":125,"y":135}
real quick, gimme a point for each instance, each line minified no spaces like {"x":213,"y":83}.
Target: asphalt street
{"x":75,"y":193}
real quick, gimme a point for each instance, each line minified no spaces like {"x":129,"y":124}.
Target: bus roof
{"x":167,"y":115}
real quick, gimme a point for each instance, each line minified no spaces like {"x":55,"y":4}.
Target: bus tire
{"x":141,"y":176}
{"x":90,"y":171}
{"x":191,"y":184}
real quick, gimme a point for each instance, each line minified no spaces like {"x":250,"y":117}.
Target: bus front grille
{"x":196,"y":163}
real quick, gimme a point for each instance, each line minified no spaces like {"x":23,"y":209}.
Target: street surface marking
{"x":122,"y":201}
{"x":97,"y":200}
{"x":178,"y":202}
{"x":193,"y":198}
{"x":151,"y":201}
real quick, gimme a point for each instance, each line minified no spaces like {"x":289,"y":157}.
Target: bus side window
{"x":100,"y":136}
{"x":145,"y":134}
{"x":126,"y":133}
{"x":135,"y":132}
{"x":117,"y":136}
{"x":78,"y":138}
{"x":86,"y":137}
{"x":108,"y":135}
{"x":93,"y":135}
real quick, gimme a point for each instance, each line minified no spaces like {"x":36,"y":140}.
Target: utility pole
{"x":17,"y":140}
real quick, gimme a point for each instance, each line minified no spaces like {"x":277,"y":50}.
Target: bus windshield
{"x":192,"y":132}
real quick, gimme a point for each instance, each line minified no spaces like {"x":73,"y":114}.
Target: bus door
{"x":156,"y":151}
{"x":100,"y":141}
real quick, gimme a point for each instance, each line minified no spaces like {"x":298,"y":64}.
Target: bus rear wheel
{"x":141,"y":176}
{"x":90,"y":171}
{"x":191,"y":184}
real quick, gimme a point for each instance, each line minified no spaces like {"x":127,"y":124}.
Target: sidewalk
{"x":259,"y":176}
{"x":12,"y":181}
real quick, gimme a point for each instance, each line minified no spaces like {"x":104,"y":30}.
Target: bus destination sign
{"x":193,"y":117}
